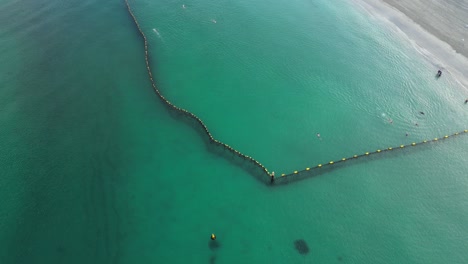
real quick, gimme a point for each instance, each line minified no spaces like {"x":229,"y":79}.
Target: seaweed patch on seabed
{"x":301,"y":246}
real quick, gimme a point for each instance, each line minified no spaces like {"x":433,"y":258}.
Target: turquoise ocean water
{"x":95,"y":169}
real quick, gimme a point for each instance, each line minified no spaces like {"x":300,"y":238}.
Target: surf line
{"x":271,"y":175}
{"x":185,"y":112}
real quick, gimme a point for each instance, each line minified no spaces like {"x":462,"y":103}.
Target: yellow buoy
{"x":390,"y":148}
{"x":213,"y":237}
{"x":343,"y":159}
{"x":355,"y":156}
{"x":456,"y":133}
{"x":307,"y":169}
{"x":413,"y":144}
{"x":402,"y":146}
{"x":435,"y":139}
{"x":378,"y":150}
{"x":445,"y":136}
{"x":282,"y":175}
{"x":331,"y":162}
{"x":425,"y":141}
{"x":320,"y":165}
{"x":466,"y":131}
{"x":295,"y":172}
{"x":367,"y":153}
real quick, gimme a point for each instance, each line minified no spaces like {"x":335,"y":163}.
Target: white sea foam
{"x":435,"y":51}
{"x":157,"y":32}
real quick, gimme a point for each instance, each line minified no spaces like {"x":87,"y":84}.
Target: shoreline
{"x":445,"y":47}
{"x":443,"y":20}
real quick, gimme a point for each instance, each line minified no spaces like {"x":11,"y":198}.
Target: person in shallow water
{"x":439,"y":73}
{"x":466,"y":101}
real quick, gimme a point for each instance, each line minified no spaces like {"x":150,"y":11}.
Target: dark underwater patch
{"x":301,"y":246}
{"x":213,"y":244}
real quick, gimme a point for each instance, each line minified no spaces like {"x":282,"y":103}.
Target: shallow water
{"x":95,"y":166}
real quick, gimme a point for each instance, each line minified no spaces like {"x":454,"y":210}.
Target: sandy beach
{"x":439,"y":30}
{"x":447,"y":20}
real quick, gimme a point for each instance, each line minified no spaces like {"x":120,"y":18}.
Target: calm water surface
{"x":96,"y":170}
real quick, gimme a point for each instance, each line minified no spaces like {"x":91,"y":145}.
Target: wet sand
{"x":438,"y":30}
{"x":447,"y":20}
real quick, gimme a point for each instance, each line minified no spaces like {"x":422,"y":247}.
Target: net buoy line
{"x":185,"y":112}
{"x":366,"y":154}
{"x":248,"y":158}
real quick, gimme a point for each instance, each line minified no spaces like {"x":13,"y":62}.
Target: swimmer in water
{"x":422,"y":113}
{"x":390,"y":121}
{"x":407,"y":134}
{"x":214,"y":21}
{"x":183,"y":6}
{"x":466,"y":101}
{"x":318,"y":135}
